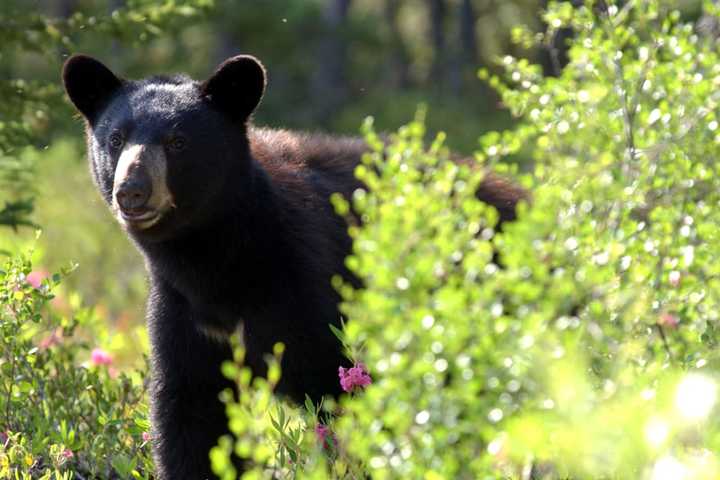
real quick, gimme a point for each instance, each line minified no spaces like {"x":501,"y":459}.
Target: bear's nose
{"x":135,"y":190}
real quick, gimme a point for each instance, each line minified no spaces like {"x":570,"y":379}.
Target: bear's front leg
{"x":186,"y":414}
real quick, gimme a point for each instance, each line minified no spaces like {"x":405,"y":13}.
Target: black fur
{"x":252,"y":243}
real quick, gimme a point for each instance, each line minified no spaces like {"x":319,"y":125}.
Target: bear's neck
{"x":248,"y":252}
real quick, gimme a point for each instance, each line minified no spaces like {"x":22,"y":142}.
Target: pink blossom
{"x":357,"y":376}
{"x":100,"y":357}
{"x":146,"y":436}
{"x":36,"y":277}
{"x":325,"y":436}
{"x":55,"y":338}
{"x":669,"y":320}
{"x":674,"y":278}
{"x":67,"y":454}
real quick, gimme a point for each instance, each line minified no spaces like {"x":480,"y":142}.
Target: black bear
{"x":237,"y":231}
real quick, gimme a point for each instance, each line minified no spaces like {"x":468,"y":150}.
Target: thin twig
{"x":628,"y":113}
{"x":12,"y":374}
{"x":665,"y":343}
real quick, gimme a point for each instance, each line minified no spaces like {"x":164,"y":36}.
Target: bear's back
{"x":313,"y":163}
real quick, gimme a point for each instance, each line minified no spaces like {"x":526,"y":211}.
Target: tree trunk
{"x":331,"y":80}
{"x":399,"y":63}
{"x":65,"y":8}
{"x":465,"y":55}
{"x":467,"y":32}
{"x":438,"y":10}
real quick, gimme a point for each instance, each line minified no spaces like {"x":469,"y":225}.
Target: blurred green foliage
{"x":579,"y":341}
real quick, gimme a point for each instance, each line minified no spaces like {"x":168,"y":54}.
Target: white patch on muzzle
{"x":152,"y":158}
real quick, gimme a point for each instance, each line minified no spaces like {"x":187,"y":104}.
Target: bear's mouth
{"x":141,"y":218}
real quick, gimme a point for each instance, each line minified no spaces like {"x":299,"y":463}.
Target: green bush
{"x":579,"y":341}
{"x":64,"y":409}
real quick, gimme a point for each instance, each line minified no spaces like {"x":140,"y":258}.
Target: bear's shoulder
{"x":278,"y":148}
{"x":319,"y":161}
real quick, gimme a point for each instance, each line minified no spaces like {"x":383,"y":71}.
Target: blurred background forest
{"x":331,"y":63}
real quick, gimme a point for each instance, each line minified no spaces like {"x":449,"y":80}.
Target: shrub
{"x":63,"y":409}
{"x":579,"y":341}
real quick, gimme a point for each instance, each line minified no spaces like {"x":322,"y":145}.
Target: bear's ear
{"x":237,"y":86}
{"x":89,"y":84}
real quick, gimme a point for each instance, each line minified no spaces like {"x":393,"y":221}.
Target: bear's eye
{"x":115,"y":141}
{"x":176,"y":144}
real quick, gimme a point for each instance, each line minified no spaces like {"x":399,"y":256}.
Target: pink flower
{"x":100,"y":357}
{"x":669,"y":320}
{"x":146,"y":436}
{"x":355,"y":377}
{"x":36,"y":277}
{"x":67,"y":454}
{"x":674,"y":278}
{"x":55,"y":338}
{"x":325,"y":436}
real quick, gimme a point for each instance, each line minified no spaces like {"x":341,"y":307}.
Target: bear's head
{"x":165,"y":152}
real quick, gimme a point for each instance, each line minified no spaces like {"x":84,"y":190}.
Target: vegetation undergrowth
{"x":577,"y":342}
{"x":65,"y":411}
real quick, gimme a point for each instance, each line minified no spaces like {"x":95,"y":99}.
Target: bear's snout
{"x":140,"y":194}
{"x":135,"y":189}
